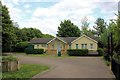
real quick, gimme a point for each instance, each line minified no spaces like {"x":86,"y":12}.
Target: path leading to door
{"x":70,"y":67}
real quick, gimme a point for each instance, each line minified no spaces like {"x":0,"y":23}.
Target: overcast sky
{"x":46,"y":15}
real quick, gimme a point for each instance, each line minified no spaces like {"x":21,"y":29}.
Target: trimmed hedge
{"x":30,"y":50}
{"x":77,"y":52}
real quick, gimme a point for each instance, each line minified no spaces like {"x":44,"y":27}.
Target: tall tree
{"x":117,"y":33}
{"x":29,"y":33}
{"x":100,"y":26}
{"x":47,"y":36}
{"x":85,"y":25}
{"x":68,"y":29}
{"x":8,"y":33}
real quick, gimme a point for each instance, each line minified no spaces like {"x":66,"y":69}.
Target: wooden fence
{"x":10,"y":66}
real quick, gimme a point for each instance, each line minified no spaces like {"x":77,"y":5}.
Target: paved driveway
{"x":70,"y":67}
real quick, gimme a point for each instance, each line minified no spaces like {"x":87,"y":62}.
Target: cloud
{"x":27,"y":6}
{"x":48,"y":19}
{"x":16,"y":14}
{"x":28,"y":11}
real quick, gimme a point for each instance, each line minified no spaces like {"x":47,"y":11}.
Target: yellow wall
{"x":57,"y":43}
{"x":40,"y":46}
{"x":84,"y":40}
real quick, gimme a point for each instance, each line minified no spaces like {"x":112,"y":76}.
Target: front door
{"x":58,"y":47}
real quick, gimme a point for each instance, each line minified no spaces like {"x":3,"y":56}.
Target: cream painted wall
{"x":40,"y":46}
{"x":84,"y":40}
{"x":57,"y":43}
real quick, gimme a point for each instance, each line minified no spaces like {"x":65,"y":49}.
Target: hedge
{"x":21,"y":46}
{"x":100,"y":52}
{"x":77,"y":52}
{"x":8,"y":58}
{"x":30,"y":50}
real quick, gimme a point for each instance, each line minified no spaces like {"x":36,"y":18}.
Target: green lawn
{"x":25,"y":71}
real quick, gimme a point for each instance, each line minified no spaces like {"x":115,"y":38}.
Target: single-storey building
{"x":52,"y":45}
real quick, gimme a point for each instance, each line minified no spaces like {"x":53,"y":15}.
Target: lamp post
{"x":111,"y":45}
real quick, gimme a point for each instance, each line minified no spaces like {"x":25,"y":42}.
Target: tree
{"x":117,"y":33}
{"x":100,"y":26}
{"x":27,"y":34}
{"x":8,"y":33}
{"x":47,"y":36}
{"x":85,"y":25}
{"x":68,"y":29}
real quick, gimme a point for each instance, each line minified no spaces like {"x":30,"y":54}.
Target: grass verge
{"x":25,"y":71}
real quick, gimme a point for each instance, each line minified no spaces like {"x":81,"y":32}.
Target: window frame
{"x":76,"y":46}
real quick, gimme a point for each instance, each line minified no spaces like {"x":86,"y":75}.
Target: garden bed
{"x":9,"y":64}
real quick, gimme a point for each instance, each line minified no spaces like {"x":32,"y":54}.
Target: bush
{"x":116,"y":57}
{"x":8,"y":58}
{"x":77,"y":52}
{"x":30,"y":50}
{"x":21,"y":46}
{"x":100,"y":51}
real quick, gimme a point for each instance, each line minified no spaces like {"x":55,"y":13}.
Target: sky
{"x":46,"y":15}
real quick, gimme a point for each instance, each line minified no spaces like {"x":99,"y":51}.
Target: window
{"x":61,"y":47}
{"x":37,"y":46}
{"x":53,"y":47}
{"x":85,"y":46}
{"x":76,"y":46}
{"x":70,"y":46}
{"x":82,"y":45}
{"x":91,"y":46}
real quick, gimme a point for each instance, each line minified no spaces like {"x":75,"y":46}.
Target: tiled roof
{"x":68,"y":39}
{"x":40,"y":40}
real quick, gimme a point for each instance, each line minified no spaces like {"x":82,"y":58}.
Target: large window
{"x":84,"y":46}
{"x":76,"y":46}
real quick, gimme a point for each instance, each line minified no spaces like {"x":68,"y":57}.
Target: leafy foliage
{"x":8,"y":32}
{"x":100,"y":51}
{"x":8,"y":58}
{"x":12,"y":36}
{"x":100,"y":26}
{"x":85,"y":25}
{"x":68,"y":29}
{"x":30,"y":50}
{"x":77,"y":52}
{"x":21,"y":46}
{"x":47,"y":36}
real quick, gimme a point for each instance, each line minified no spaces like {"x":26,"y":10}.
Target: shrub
{"x":8,"y":58}
{"x":77,"y":52}
{"x":116,"y":57}
{"x":30,"y":50}
{"x":20,"y":47}
{"x":100,"y":51}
